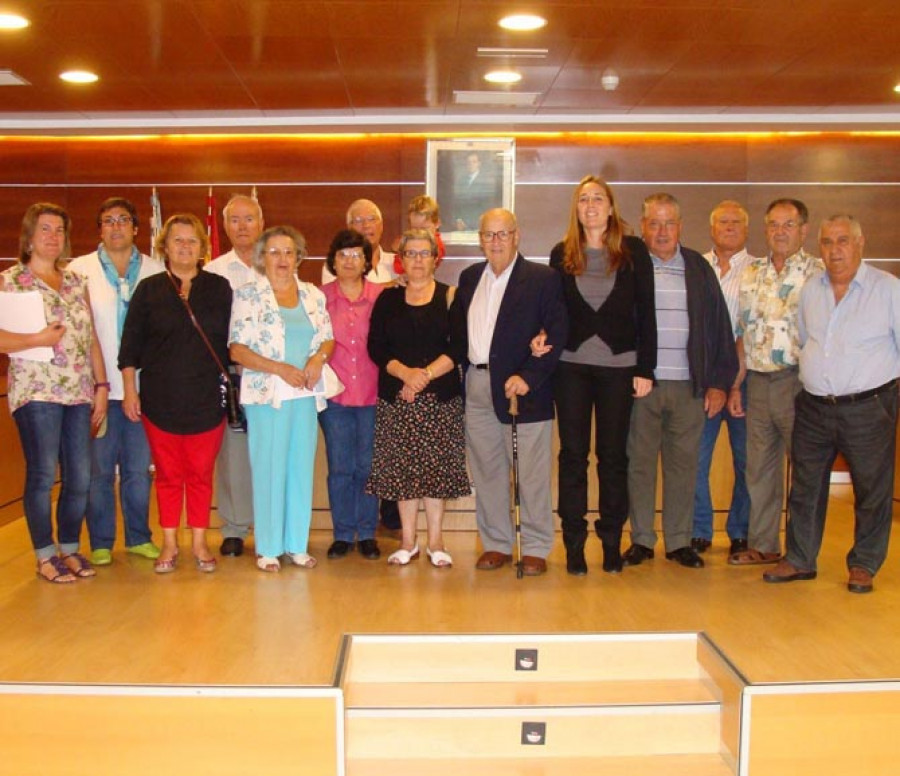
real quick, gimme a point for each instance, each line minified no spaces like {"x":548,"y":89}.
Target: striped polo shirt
{"x":671,"y":318}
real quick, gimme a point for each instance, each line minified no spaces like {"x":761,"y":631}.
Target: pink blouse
{"x":350,"y":360}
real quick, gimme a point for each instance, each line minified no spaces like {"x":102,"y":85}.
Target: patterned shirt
{"x":256,"y":322}
{"x":68,"y":378}
{"x":767,"y":316}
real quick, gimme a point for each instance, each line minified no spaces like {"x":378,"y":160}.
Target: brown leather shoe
{"x":491,"y":560}
{"x":533,"y":566}
{"x":787,"y":572}
{"x":860,"y":580}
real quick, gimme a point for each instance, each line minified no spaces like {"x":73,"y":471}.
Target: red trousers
{"x":184,"y":473}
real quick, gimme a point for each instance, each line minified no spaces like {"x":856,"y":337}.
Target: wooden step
{"x":424,"y":695}
{"x":659,"y":765}
{"x":525,"y":658}
{"x":538,"y":732}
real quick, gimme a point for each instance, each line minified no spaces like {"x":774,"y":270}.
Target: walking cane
{"x":513,"y":412}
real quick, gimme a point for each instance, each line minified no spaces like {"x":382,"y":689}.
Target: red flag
{"x":212,"y":229}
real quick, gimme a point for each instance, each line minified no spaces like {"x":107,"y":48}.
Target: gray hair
{"x":258,"y":260}
{"x":241,"y":198}
{"x":729,"y":203}
{"x":851,"y":221}
{"x":363,"y":203}
{"x":418,"y":234}
{"x":661,"y":198}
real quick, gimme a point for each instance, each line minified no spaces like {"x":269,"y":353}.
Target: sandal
{"x":79,"y":565}
{"x":303,"y":559}
{"x":265,"y":563}
{"x":439,"y":558}
{"x":206,"y":565}
{"x":402,"y":557}
{"x":166,"y":566}
{"x":753,"y":557}
{"x":53,"y":570}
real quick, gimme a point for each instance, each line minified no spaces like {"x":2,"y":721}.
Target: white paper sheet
{"x":286,"y":392}
{"x":23,"y":313}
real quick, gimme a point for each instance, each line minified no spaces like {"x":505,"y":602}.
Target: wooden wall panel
{"x":12,"y":462}
{"x":308,"y":181}
{"x":644,"y":158}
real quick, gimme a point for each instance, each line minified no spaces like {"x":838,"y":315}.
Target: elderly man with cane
{"x":501,"y":304}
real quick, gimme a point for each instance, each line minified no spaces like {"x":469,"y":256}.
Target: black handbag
{"x":229,"y":387}
{"x":233,"y":409}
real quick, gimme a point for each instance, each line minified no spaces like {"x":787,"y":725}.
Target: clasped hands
{"x":307,"y":377}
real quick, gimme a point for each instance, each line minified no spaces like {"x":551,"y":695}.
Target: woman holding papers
{"x":57,"y":395}
{"x":281,"y":335}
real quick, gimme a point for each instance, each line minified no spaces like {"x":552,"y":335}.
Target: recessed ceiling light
{"x":12,"y":21}
{"x":522,"y":22}
{"x":509,"y":53}
{"x":79,"y":77}
{"x":897,"y":88}
{"x":503,"y":77}
{"x":609,"y":80}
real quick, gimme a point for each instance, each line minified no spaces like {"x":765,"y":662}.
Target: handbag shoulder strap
{"x":199,"y":329}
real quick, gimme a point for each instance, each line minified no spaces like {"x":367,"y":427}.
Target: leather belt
{"x":481,"y":366}
{"x":852,"y":398}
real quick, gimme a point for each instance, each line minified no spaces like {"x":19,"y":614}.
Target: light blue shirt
{"x":672,"y":324}
{"x":854,"y":345}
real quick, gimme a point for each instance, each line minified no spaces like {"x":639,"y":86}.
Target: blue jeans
{"x":739,"y":511}
{"x":125,"y":444}
{"x":349,"y":438}
{"x":54,"y":434}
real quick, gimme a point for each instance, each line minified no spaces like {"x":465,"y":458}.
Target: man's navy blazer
{"x":533,"y":301}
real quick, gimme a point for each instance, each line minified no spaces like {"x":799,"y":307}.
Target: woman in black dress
{"x":419,"y":443}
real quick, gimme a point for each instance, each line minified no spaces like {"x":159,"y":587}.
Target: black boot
{"x":575,"y":562}
{"x":612,"y":559}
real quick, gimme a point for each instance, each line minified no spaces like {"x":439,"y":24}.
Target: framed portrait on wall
{"x":467,"y":177}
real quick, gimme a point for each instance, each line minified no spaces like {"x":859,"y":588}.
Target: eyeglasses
{"x":182,"y":241}
{"x":776,"y":226}
{"x":658,"y":226}
{"x":503,"y":235}
{"x":348,"y":254}
{"x":426,"y":254}
{"x":116,"y":220}
{"x":276,"y":253}
{"x":360,"y":220}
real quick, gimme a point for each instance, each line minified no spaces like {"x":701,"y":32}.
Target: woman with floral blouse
{"x":281,"y":335}
{"x":54,"y":403}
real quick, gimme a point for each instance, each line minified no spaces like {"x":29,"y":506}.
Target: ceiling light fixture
{"x":522,"y":22}
{"x":12,"y":21}
{"x":79,"y":77}
{"x":897,"y":88}
{"x":503,"y":77}
{"x":609,"y":80}
{"x":510,"y":53}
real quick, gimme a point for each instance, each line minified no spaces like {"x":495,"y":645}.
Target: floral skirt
{"x":420,"y":450}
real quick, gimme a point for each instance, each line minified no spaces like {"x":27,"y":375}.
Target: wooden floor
{"x":242,"y":627}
